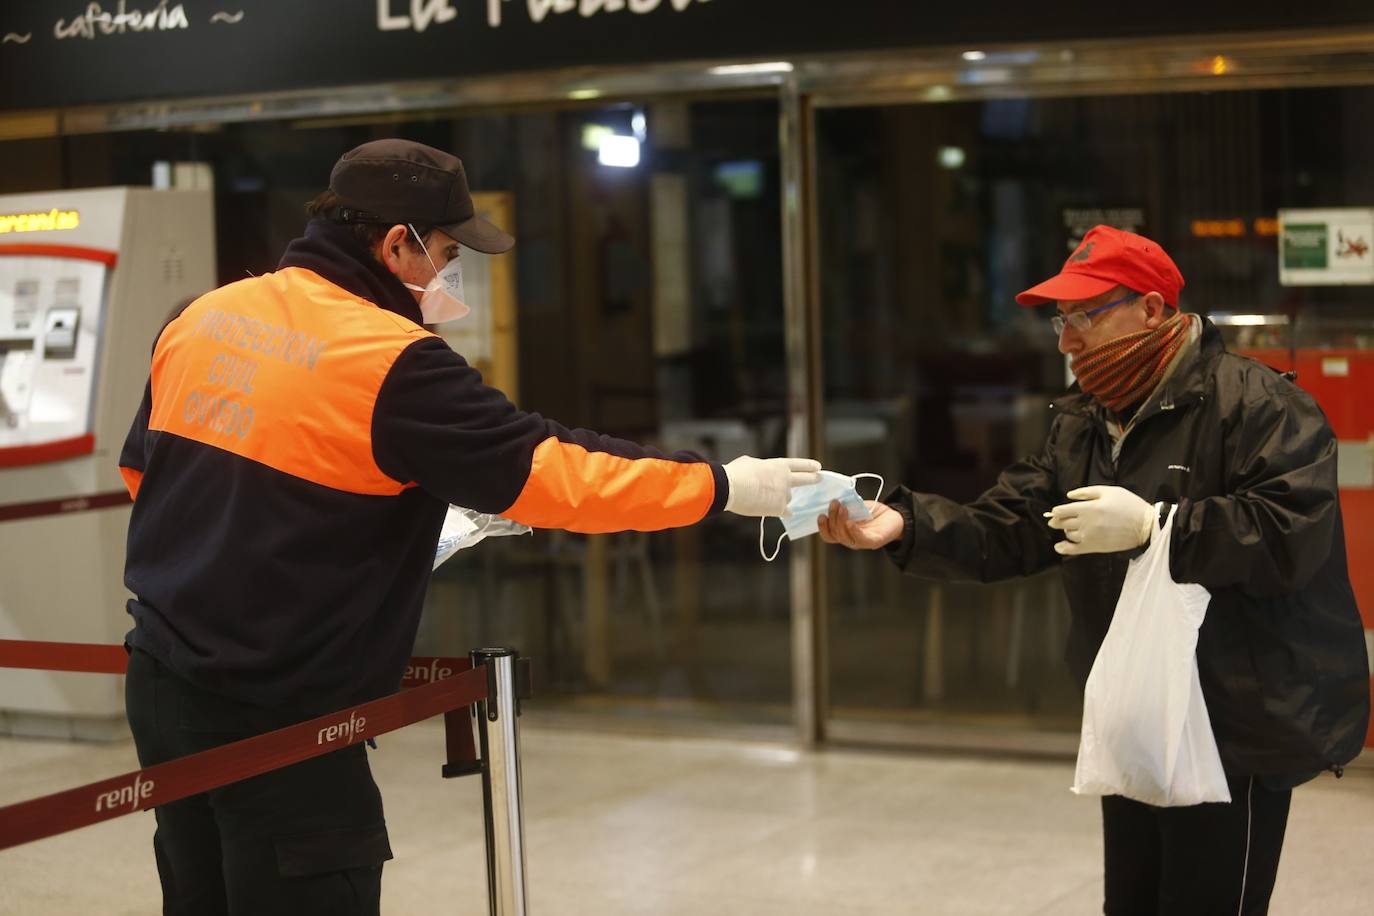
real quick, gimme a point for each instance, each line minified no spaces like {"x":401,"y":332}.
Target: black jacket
{"x":1251,"y":463}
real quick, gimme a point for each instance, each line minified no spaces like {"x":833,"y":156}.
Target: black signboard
{"x":71,"y":52}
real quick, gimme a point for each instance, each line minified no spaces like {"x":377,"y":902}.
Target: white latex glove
{"x":762,"y":486}
{"x":1102,"y":520}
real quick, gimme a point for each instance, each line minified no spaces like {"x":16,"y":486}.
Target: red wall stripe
{"x":80,"y":252}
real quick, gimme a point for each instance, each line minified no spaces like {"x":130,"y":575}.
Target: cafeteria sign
{"x":1326,"y":247}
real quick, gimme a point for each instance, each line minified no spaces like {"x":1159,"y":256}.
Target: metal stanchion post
{"x":499,"y":736}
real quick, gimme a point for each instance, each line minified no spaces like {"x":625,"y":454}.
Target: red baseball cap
{"x":1108,"y":258}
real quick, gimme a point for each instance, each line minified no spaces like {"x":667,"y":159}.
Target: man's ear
{"x":389,"y":252}
{"x":1156,"y":310}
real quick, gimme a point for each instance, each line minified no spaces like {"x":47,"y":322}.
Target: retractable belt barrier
{"x":484,"y":690}
{"x":89,"y":658}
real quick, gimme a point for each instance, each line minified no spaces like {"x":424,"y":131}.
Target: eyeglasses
{"x":1081,"y":321}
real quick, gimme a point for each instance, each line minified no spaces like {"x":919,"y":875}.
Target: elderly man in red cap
{"x":1164,"y":419}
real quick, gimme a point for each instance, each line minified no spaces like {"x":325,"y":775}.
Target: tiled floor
{"x":627,"y":825}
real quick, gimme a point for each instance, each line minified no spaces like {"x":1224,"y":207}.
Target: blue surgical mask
{"x":813,"y":500}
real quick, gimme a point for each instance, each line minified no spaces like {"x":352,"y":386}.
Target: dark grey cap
{"x":400,"y":181}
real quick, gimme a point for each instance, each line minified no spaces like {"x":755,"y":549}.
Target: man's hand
{"x":762,"y":486}
{"x":1102,"y":520}
{"x":884,"y":527}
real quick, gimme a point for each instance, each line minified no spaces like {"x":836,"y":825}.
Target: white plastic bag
{"x":1146,"y":733}
{"x":465,"y":528}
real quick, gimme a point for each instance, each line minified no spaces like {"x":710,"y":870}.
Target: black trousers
{"x":309,"y":838}
{"x":1208,"y":860}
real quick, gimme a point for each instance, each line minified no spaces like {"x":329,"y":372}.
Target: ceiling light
{"x":777,"y":66}
{"x":619,"y":151}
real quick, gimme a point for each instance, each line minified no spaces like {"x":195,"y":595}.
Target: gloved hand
{"x":762,"y":486}
{"x":1102,"y":520}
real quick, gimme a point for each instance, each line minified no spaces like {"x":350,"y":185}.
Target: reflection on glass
{"x":649,"y":306}
{"x":936,"y":379}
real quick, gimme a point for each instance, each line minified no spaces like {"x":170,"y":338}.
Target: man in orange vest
{"x":300,"y":439}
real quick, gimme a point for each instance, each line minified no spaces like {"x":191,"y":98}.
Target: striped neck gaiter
{"x":1122,"y":372}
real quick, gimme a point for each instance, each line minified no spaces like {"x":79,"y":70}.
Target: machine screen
{"x":50,"y":311}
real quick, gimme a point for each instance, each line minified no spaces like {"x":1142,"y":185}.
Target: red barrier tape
{"x":88,"y":658}
{"x":436,"y":685}
{"x":63,"y":656}
{"x":196,"y":773}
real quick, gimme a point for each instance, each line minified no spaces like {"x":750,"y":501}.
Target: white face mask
{"x":442,"y":297}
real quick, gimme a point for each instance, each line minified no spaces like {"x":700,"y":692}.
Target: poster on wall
{"x":1329,"y":247}
{"x":486,"y":337}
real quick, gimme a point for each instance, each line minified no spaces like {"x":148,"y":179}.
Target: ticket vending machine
{"x":87,"y":279}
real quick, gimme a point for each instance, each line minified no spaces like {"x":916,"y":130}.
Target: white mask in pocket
{"x":813,"y":500}
{"x":442,"y":297}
